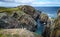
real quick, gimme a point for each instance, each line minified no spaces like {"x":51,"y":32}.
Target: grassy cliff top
{"x":9,"y":11}
{"x":4,"y":9}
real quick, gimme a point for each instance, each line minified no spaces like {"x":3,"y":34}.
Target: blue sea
{"x":50,"y":11}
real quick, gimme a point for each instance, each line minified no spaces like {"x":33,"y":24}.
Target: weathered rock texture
{"x":30,"y":10}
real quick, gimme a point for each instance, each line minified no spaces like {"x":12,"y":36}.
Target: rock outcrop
{"x":43,"y":18}
{"x":28,"y":22}
{"x":56,"y":26}
{"x":18,"y":20}
{"x":30,"y":10}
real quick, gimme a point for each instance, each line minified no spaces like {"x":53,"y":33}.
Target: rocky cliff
{"x":23,"y":16}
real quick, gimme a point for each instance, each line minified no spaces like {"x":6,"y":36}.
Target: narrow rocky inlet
{"x":27,"y":21}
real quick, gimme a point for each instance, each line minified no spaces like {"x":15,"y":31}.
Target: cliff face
{"x":16,"y":22}
{"x":56,"y":26}
{"x":55,"y":32}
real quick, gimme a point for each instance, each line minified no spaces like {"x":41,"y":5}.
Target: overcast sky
{"x":13,"y":3}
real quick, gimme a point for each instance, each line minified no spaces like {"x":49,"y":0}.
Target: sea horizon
{"x":50,"y":11}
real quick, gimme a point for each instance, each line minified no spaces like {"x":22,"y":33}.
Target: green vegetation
{"x":9,"y":35}
{"x":9,"y":11}
{"x":5,"y":35}
{"x":3,"y":9}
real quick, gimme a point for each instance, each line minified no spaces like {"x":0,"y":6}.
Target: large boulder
{"x":30,"y":10}
{"x":43,"y":18}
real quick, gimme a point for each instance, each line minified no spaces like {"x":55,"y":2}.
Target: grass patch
{"x":9,"y":11}
{"x":2,"y":9}
{"x":9,"y":35}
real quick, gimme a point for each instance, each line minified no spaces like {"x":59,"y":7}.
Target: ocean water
{"x":50,"y":11}
{"x":40,"y":27}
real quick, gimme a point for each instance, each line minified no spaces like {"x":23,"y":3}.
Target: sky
{"x":13,"y":3}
